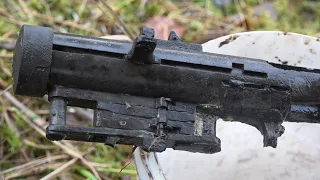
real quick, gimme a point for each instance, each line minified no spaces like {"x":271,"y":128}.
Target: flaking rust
{"x":159,"y":94}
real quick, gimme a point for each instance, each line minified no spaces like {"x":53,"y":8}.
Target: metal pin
{"x":58,"y":111}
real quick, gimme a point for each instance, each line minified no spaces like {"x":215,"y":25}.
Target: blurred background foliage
{"x":24,"y":151}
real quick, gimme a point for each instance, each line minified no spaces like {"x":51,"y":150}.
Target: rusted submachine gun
{"x":158,"y":94}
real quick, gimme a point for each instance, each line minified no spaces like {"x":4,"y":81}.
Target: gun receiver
{"x":158,"y":94}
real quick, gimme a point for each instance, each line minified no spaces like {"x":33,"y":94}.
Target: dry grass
{"x":25,"y":152}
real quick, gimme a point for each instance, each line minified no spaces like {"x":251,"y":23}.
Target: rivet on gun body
{"x":174,"y":37}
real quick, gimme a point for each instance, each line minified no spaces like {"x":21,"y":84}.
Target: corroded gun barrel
{"x":158,"y":94}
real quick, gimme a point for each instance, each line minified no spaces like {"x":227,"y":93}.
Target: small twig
{"x":15,"y":9}
{"x":42,"y":111}
{"x":118,"y":19}
{"x":104,"y":176}
{"x":64,"y":167}
{"x":129,"y":158}
{"x":13,"y":161}
{"x":5,"y":13}
{"x":38,"y":146}
{"x":5,"y":69}
{"x":7,"y":156}
{"x":100,"y":165}
{"x":25,"y":8}
{"x":154,"y":141}
{"x":37,"y":123}
{"x":10,"y":124}
{"x":67,"y":23}
{"x":240,"y":12}
{"x":6,"y":35}
{"x":10,"y":18}
{"x":127,"y":3}
{"x":25,"y":155}
{"x":34,"y":170}
{"x":60,"y":170}
{"x":14,"y":128}
{"x":34,"y":163}
{"x":14,"y":21}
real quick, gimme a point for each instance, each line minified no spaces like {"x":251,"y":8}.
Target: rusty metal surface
{"x":158,"y":94}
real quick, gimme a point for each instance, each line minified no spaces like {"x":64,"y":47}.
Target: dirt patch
{"x":307,"y":41}
{"x":312,"y":51}
{"x":282,"y":62}
{"x":227,"y":41}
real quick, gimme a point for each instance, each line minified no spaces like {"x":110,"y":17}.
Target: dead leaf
{"x":163,"y":25}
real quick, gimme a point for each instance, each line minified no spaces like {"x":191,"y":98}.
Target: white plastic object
{"x":243,"y":157}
